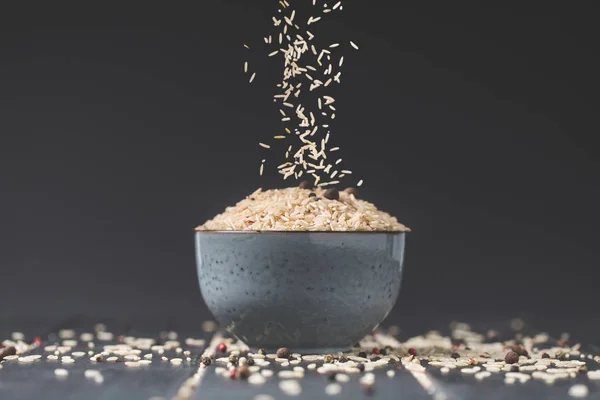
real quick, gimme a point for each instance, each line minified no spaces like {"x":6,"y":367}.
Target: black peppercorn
{"x":360,"y":366}
{"x":8,"y":351}
{"x":545,"y":355}
{"x":514,"y":368}
{"x":205,"y":360}
{"x":332,"y":194}
{"x":343,"y":359}
{"x":312,"y":194}
{"x":262,"y":352}
{"x":332,"y":376}
{"x":100,"y":358}
{"x":283,"y":353}
{"x":455,"y":355}
{"x":233,"y":359}
{"x":511,"y":357}
{"x":362,"y":354}
{"x":306,"y":185}
{"x":250,"y":361}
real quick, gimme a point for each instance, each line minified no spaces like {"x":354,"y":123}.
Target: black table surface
{"x":164,"y":380}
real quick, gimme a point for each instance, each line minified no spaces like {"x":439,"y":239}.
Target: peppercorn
{"x":232,"y":374}
{"x":283,"y":353}
{"x":412,"y":351}
{"x":332,"y":194}
{"x":374,"y":358}
{"x":360,"y":366}
{"x":306,"y":185}
{"x":545,"y":355}
{"x":352,"y":191}
{"x":511,"y":357}
{"x":455,"y":355}
{"x":520,"y":350}
{"x":312,"y":194}
{"x":383,"y":352}
{"x":250,"y":361}
{"x":362,"y":354}
{"x":375,"y":351}
{"x":205,"y":360}
{"x":343,"y":359}
{"x":243,"y":372}
{"x":514,"y":368}
{"x":7,"y":351}
{"x":100,"y":358}
{"x":222,"y":348}
{"x":233,"y":359}
{"x":332,"y":376}
{"x":262,"y":352}
{"x":328,"y":359}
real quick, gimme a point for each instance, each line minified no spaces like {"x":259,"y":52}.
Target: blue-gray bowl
{"x":307,"y":291}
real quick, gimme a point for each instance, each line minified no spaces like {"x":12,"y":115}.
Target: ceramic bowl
{"x":308,"y":291}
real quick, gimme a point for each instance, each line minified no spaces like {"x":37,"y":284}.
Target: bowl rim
{"x":267,"y":232}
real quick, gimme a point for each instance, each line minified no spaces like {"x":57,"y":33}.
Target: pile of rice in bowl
{"x":303,"y":209}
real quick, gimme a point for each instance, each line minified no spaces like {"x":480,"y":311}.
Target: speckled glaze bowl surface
{"x":307,"y":291}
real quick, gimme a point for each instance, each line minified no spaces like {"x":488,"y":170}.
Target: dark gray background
{"x":121,"y":129}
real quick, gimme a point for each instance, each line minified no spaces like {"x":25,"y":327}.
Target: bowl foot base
{"x":306,"y":351}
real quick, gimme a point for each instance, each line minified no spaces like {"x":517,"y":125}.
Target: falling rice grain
{"x":353,"y":45}
{"x":266,"y":146}
{"x":252,"y":77}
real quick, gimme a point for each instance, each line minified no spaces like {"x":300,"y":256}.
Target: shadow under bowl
{"x":311,"y":292}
